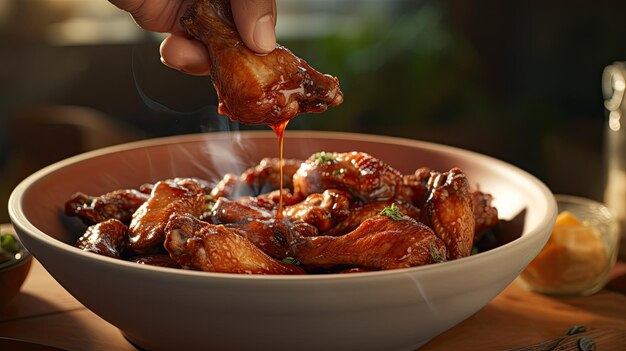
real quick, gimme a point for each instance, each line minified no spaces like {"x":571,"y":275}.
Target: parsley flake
{"x":323,"y":157}
{"x":436,"y":254}
{"x":291,"y":260}
{"x":339,"y":172}
{"x":392,"y":212}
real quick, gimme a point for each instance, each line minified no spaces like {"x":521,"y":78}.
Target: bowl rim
{"x":19,"y":219}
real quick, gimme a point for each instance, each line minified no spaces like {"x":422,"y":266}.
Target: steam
{"x":224,"y":156}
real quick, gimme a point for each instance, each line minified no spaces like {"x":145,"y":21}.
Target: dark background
{"x":519,"y":81}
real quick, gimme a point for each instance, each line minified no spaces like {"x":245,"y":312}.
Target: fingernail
{"x":264,"y":36}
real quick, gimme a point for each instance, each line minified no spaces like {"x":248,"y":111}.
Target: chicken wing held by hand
{"x":252,"y":88}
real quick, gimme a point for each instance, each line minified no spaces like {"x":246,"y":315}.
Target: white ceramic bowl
{"x":169,"y":309}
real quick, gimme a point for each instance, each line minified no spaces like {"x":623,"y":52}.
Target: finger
{"x":155,"y":15}
{"x":186,"y":55}
{"x":256,"y":21}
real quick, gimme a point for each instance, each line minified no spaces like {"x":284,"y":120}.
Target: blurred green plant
{"x":398,"y":71}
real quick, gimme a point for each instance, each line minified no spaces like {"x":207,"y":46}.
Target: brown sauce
{"x":279,"y":129}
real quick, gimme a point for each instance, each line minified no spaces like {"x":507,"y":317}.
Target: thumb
{"x":255,"y":21}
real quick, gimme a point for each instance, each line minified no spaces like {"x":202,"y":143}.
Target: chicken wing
{"x":323,"y":210}
{"x":358,"y":173}
{"x":360,"y":212}
{"x":449,"y":211}
{"x":178,"y":196}
{"x":213,"y":248}
{"x":251,"y":88}
{"x":108,"y":238}
{"x":485,"y":214}
{"x":265,"y":176}
{"x":380,"y":242}
{"x":118,"y":204}
{"x":242,"y":210}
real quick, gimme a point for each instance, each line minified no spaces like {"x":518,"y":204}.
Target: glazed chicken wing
{"x":242,"y":210}
{"x":360,"y":212}
{"x":273,"y":236}
{"x":265,"y":176}
{"x":449,"y":211}
{"x":256,"y":89}
{"x":358,"y":173}
{"x":379,"y":242}
{"x":485,"y":215}
{"x":108,"y":238}
{"x":323,"y":210}
{"x":259,"y":179}
{"x":118,"y":204}
{"x":180,"y":196}
{"x":213,"y":248}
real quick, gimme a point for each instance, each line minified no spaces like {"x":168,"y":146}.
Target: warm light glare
{"x":619,"y":84}
{"x":614,"y":120}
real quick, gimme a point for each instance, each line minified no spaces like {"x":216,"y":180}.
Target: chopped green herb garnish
{"x":9,"y":247}
{"x":392,"y":212}
{"x":436,"y":254}
{"x":339,"y":172}
{"x":9,"y":243}
{"x":291,"y":260}
{"x":474,"y":250}
{"x":323,"y":157}
{"x":210,"y":205}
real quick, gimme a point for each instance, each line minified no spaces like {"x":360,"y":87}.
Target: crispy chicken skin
{"x":379,"y":243}
{"x":449,"y":211}
{"x":213,"y":248}
{"x":108,"y":238}
{"x":178,"y":196}
{"x":252,"y":88}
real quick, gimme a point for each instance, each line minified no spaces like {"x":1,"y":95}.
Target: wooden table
{"x":43,"y":312}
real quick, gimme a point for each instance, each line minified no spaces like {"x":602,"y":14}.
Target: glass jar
{"x":614,"y":86}
{"x":580,"y":253}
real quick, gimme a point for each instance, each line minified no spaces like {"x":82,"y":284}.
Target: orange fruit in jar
{"x":574,"y":258}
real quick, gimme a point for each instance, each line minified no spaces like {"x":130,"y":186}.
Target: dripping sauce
{"x":279,"y":129}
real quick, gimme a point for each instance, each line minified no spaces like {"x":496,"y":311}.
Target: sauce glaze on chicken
{"x":256,"y":89}
{"x":344,"y":212}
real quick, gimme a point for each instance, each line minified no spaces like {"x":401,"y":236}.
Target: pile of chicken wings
{"x":344,"y":212}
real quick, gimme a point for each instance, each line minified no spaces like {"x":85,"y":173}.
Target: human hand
{"x":255,"y":21}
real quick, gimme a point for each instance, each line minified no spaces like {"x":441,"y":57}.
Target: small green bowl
{"x":14,"y":271}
